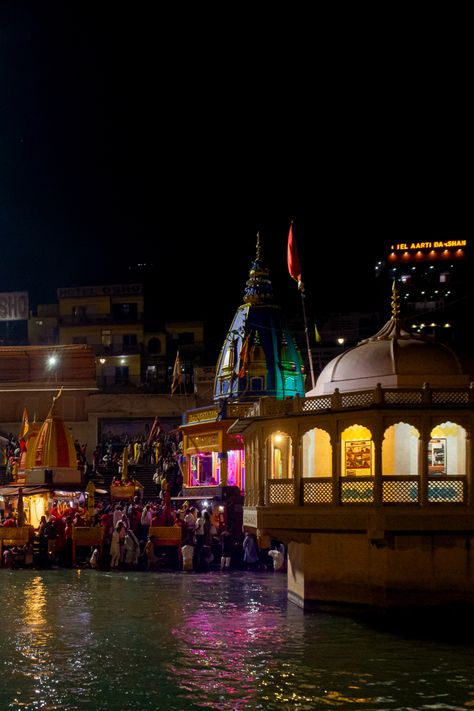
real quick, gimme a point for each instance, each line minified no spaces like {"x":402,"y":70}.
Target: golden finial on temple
{"x":395,"y":301}
{"x":259,"y":246}
{"x":56,"y":397}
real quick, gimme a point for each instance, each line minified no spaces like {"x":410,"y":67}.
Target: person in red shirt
{"x":10,"y":521}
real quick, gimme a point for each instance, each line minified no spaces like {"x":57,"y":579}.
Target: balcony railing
{"x":361,"y":490}
{"x":376,"y":397}
{"x":99,"y":319}
{"x":116,"y":349}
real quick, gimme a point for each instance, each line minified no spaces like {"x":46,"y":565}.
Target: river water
{"x":84,"y":639}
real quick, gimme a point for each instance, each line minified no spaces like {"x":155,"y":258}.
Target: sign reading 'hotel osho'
{"x":14,"y":306}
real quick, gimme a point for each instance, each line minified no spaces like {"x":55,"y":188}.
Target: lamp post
{"x":102,"y":376}
{"x":341,"y":342}
{"x":53,"y":362}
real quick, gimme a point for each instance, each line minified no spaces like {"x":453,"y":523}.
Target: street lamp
{"x":102,"y":377}
{"x":52,"y":363}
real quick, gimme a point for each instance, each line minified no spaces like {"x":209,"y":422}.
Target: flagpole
{"x":294,"y":268}
{"x":183,"y":388}
{"x":310,"y":356}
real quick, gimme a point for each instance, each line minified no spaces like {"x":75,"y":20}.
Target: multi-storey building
{"x":109,"y":318}
{"x":433,"y":281}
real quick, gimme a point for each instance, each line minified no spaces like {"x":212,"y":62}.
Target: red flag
{"x":294,"y":266}
{"x":244,"y":357}
{"x":154,"y":430}
{"x":177,"y":375}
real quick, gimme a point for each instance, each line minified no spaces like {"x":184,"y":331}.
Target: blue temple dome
{"x":259,"y":356}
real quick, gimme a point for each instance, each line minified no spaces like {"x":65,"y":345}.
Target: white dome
{"x":395,"y":358}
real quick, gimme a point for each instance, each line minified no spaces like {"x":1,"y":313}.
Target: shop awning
{"x":26,"y":490}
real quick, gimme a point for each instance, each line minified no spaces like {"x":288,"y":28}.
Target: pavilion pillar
{"x":223,"y":468}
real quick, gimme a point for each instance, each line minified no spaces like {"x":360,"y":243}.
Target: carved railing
{"x":361,"y":490}
{"x":378,"y":396}
{"x":280,"y":491}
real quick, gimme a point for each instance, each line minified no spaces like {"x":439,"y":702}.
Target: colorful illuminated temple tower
{"x":259,"y":358}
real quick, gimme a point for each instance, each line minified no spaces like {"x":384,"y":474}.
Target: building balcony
{"x":98,"y":320}
{"x":376,"y":506}
{"x":117,"y":350}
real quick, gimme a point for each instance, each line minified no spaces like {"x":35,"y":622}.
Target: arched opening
{"x":280,"y":468}
{"x":281,"y":456}
{"x":317,"y":453}
{"x":357,"y":451}
{"x":447,"y":450}
{"x":447,"y":463}
{"x":400,"y":450}
{"x":400,"y":464}
{"x":357,"y":462}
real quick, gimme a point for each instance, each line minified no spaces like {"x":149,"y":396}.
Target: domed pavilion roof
{"x":259,"y":356}
{"x":394,"y":357}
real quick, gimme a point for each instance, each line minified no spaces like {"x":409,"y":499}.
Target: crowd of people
{"x":203,"y":538}
{"x":128,"y":543}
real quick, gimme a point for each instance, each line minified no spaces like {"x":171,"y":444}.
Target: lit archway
{"x":357,"y":453}
{"x":447,"y":450}
{"x":400,"y":450}
{"x":317,"y":453}
{"x":280,"y":455}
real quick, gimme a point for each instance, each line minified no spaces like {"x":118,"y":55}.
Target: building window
{"x":151,"y":374}
{"x":124,"y":312}
{"x":129,"y":339}
{"x":185,"y":339}
{"x":106,"y":338}
{"x":79,"y":313}
{"x":121,"y":375}
{"x":256,"y":384}
{"x":154,"y":346}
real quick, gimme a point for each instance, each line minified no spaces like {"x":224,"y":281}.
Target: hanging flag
{"x":294,"y":266}
{"x":317,"y":335}
{"x":244,"y":357}
{"x":177,"y":375}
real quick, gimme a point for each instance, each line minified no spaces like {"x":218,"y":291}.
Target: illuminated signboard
{"x":436,"y":250}
{"x":107,"y":290}
{"x":407,"y":246}
{"x":14,"y":306}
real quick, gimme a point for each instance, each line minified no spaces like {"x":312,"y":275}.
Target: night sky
{"x":126,"y":136}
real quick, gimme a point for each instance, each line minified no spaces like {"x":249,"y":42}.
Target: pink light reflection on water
{"x":217,"y":654}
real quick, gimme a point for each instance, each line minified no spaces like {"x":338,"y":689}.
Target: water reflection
{"x":220,"y":641}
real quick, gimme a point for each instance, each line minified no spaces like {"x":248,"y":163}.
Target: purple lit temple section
{"x":205,"y":469}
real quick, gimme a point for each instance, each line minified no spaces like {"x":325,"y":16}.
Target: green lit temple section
{"x":259,"y":356}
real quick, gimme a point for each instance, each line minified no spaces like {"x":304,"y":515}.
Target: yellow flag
{"x":177,"y":375}
{"x":317,"y":334}
{"x":24,"y":424}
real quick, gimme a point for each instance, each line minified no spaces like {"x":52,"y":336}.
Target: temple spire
{"x":258,"y":256}
{"x":258,"y":289}
{"x":395,"y":301}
